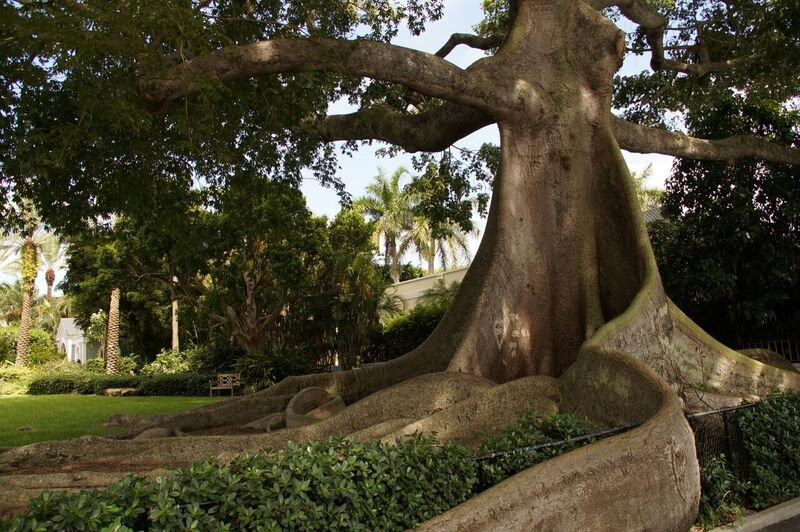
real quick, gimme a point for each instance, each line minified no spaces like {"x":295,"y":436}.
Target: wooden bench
{"x":225,"y":381}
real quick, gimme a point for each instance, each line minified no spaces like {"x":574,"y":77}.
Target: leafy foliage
{"x":42,"y":348}
{"x":190,"y":384}
{"x":769,"y":472}
{"x":720,"y":500}
{"x":531,"y":428}
{"x":331,"y":485}
{"x":772,"y":441}
{"x":730,"y":250}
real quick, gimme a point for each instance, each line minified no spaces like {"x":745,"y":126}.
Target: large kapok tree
{"x":109,"y":103}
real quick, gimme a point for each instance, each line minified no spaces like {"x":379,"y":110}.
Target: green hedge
{"x":405,"y":332}
{"x":191,"y":384}
{"x":771,"y":439}
{"x":331,"y":485}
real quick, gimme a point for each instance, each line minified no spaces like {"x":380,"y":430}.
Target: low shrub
{"x":720,"y":500}
{"x":14,"y":380}
{"x":331,"y":485}
{"x":188,"y":384}
{"x":771,"y":438}
{"x":42,"y":347}
{"x":403,"y":333}
{"x":82,"y":383}
{"x":531,"y":428}
{"x":771,"y":473}
{"x":168,"y":362}
{"x":127,"y":365}
{"x":262,"y":369}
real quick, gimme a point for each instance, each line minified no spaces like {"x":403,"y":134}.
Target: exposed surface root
{"x":469,"y":421}
{"x":415,"y":398}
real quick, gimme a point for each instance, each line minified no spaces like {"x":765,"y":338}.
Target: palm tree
{"x":112,"y":343}
{"x":649,"y":198}
{"x":448,"y":241}
{"x":23,"y":247}
{"x":390,"y":209}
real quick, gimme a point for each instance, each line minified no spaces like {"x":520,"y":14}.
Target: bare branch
{"x":473,"y":41}
{"x":419,"y":71}
{"x":643,"y":139}
{"x":433,"y":130}
{"x":703,"y":68}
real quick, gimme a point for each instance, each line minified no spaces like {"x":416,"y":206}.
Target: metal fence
{"x":787,"y":348}
{"x":717,"y":432}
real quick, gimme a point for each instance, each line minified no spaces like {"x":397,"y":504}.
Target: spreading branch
{"x":473,"y":41}
{"x":431,"y":131}
{"x":419,"y":71}
{"x":654,"y":25}
{"x":643,"y":139}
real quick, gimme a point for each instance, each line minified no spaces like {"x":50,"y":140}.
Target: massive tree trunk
{"x":564,"y":286}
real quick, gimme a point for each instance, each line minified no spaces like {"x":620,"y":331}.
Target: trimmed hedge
{"x":331,"y":485}
{"x":190,"y":384}
{"x":405,"y":332}
{"x":771,"y":440}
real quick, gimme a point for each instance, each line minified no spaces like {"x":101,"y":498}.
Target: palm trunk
{"x":23,"y":340}
{"x":29,"y":267}
{"x":175,"y":339}
{"x":112,"y":344}
{"x":432,"y":255}
{"x":394,"y":260}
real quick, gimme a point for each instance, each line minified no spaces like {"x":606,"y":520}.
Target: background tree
{"x":730,"y":249}
{"x":389,"y":207}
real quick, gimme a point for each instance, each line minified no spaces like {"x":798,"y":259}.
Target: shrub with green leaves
{"x":403,"y":333}
{"x":720,"y":500}
{"x":167,"y":362}
{"x":330,"y":485}
{"x":771,"y":437}
{"x":42,"y":347}
{"x":531,"y":428}
{"x":14,"y":380}
{"x":187,"y":384}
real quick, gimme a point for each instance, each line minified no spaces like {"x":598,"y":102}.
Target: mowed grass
{"x":58,"y":417}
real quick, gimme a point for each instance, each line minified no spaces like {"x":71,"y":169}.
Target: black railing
{"x":790,"y":350}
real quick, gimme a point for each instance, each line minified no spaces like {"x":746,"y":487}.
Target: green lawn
{"x":57,"y":417}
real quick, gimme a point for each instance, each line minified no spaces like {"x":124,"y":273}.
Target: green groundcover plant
{"x":331,"y":485}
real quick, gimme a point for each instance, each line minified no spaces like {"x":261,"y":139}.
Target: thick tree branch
{"x":654,"y":26}
{"x":431,"y":131}
{"x":419,"y":71}
{"x":642,"y":139}
{"x":473,"y":41}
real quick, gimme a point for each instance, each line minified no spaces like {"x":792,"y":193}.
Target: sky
{"x":357,"y":171}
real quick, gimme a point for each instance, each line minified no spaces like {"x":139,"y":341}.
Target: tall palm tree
{"x":390,"y":209}
{"x":23,"y":247}
{"x":448,"y":241}
{"x":112,"y":343}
